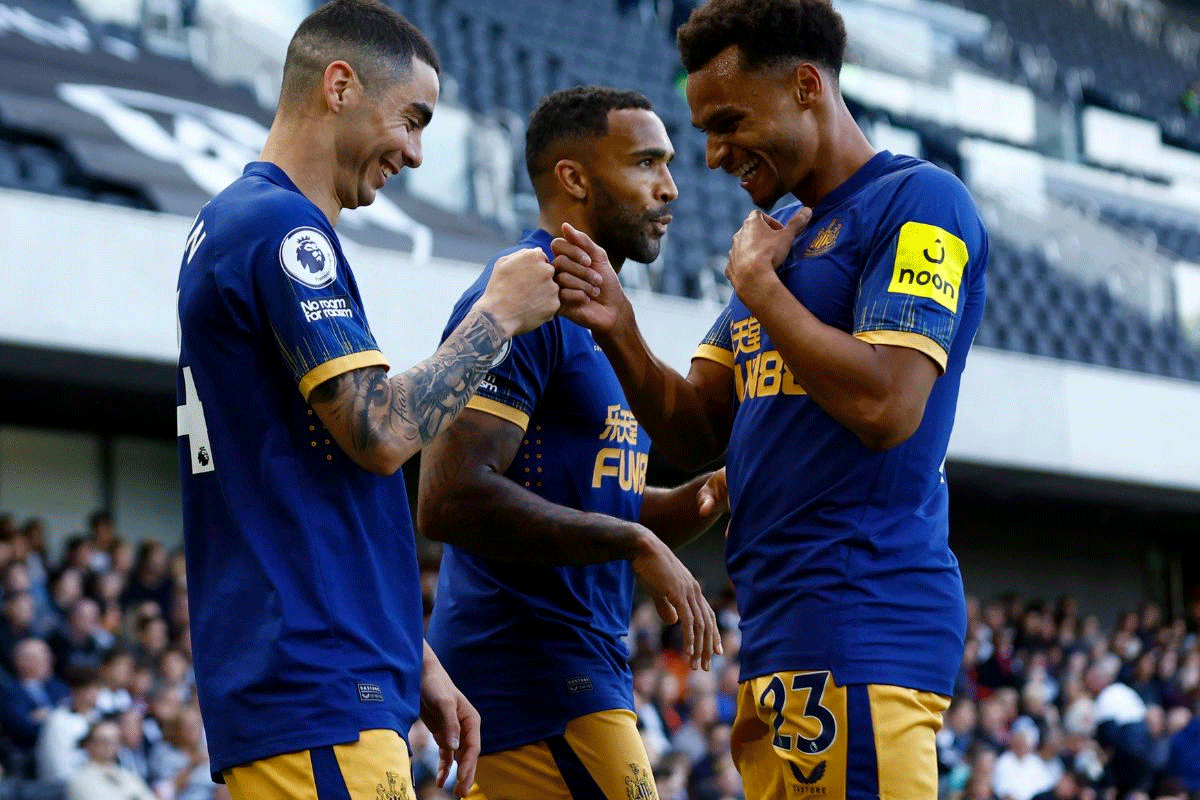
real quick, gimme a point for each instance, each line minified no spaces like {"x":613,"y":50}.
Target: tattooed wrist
{"x":409,"y":410}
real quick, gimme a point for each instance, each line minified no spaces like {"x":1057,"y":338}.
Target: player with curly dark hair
{"x":832,"y":378}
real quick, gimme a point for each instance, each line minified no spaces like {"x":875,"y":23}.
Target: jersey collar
{"x":271,"y":172}
{"x":868,"y":172}
{"x":539,"y":238}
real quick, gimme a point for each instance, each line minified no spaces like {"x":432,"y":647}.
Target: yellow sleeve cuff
{"x":710,"y":352}
{"x":507,"y":413}
{"x":338,"y":366}
{"x":913,"y":341}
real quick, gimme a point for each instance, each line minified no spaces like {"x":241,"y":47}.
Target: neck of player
{"x":554,"y":214}
{"x":843,"y":149}
{"x":304,"y":150}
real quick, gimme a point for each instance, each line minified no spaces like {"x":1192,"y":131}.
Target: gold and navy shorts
{"x":600,"y":756}
{"x":800,"y":735}
{"x":376,"y":767}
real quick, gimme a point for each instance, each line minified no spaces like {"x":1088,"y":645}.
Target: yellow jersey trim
{"x":913,"y":341}
{"x":507,"y":413}
{"x":338,"y":366}
{"x":710,"y":352}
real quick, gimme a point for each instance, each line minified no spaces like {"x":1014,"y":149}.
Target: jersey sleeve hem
{"x":711,"y":352}
{"x":338,"y":366}
{"x":496,"y":409}
{"x":913,"y":341}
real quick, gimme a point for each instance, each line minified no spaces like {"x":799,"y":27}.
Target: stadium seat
{"x":10,"y":167}
{"x":41,"y":169}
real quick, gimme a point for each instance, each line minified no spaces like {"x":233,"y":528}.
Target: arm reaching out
{"x":688,"y":418}
{"x":679,"y":515}
{"x":380,"y":422}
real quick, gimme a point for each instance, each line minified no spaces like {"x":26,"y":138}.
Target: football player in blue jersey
{"x":302,"y":575}
{"x":539,"y":492}
{"x":832,"y":378}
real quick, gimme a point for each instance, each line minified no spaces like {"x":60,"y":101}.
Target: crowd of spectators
{"x":1053,"y":705}
{"x":97,"y":697}
{"x":1049,"y":705}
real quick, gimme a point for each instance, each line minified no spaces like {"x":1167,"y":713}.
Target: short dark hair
{"x":368,"y":35}
{"x":578,"y":113}
{"x":766,"y":32}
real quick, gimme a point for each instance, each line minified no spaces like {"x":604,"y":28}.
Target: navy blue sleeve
{"x":918,"y":265}
{"x":310,"y":301}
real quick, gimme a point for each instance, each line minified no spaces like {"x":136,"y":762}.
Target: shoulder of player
{"x":473,"y":292}
{"x":255,"y":209}
{"x":919,"y":181}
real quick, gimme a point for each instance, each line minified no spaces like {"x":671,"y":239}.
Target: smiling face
{"x":380,"y":133}
{"x":760,"y":126}
{"x":631,"y":185}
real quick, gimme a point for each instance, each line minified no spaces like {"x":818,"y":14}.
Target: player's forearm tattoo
{"x":417,"y":404}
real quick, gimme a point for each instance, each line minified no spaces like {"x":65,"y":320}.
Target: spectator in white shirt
{"x":58,"y":753}
{"x":1020,"y":772}
{"x":101,"y":778}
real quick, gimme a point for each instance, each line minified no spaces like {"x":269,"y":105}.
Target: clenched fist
{"x":521,"y":293}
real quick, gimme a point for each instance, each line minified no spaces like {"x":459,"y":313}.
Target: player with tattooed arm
{"x":302,"y":574}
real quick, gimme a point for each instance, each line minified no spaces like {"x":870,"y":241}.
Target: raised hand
{"x":759,"y":248}
{"x":591,"y":294}
{"x":521,"y":293}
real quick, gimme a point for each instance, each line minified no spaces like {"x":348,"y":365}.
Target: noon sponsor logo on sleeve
{"x":321,"y":308}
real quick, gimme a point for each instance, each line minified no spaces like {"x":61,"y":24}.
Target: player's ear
{"x":572,"y":178}
{"x":808,"y":82}
{"x":342,"y":88}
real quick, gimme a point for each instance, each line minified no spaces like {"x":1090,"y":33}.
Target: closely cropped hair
{"x":578,"y":113}
{"x":371,"y":37}
{"x":766,"y":31}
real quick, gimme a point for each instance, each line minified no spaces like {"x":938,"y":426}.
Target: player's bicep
{"x":714,"y":387}
{"x":478,"y":447}
{"x":912,"y":373}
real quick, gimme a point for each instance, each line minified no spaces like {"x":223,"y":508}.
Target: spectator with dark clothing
{"x":65,"y":588}
{"x":28,"y":700}
{"x":151,"y":579}
{"x":1069,"y":787}
{"x":101,"y":536}
{"x":153,"y":640}
{"x":134,"y":751}
{"x":80,"y":642}
{"x":78,"y":555}
{"x":17,"y":623}
{"x":954,"y":740}
{"x":1183,"y":762}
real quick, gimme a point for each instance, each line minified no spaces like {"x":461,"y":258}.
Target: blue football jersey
{"x":535,"y":647}
{"x":302,"y":573}
{"x":840,"y":554}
